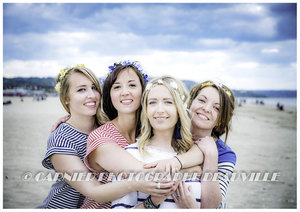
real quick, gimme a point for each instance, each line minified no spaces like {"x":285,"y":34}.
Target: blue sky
{"x":245,"y":46}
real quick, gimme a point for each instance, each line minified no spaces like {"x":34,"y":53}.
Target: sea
{"x":270,"y":101}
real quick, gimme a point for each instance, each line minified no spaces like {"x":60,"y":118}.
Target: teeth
{"x":202,"y":116}
{"x":90,"y":104}
{"x":126,"y":101}
{"x":159,"y":118}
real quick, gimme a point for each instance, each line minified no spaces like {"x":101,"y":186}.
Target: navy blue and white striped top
{"x":226,"y":164}
{"x":69,"y":141}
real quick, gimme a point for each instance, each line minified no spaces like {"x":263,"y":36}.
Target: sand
{"x":263,"y":138}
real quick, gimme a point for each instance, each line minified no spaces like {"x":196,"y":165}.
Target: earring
{"x":177,"y":129}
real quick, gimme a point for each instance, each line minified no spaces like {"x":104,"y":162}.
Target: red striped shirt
{"x":107,"y":133}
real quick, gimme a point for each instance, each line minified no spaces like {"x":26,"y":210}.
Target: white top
{"x":134,"y":198}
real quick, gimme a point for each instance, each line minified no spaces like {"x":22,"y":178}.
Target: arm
{"x":93,"y":189}
{"x":225,"y":171}
{"x":104,"y":157}
{"x":191,"y":158}
{"x":210,"y":189}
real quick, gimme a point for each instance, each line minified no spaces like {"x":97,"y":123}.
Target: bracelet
{"x":179,"y":161}
{"x":148,"y":204}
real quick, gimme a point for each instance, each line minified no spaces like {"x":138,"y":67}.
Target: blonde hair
{"x":65,"y":85}
{"x":181,"y":97}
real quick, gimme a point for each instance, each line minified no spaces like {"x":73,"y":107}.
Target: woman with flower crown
{"x":165,"y":133}
{"x":211,"y":108}
{"x":80,"y":95}
{"x":122,"y":92}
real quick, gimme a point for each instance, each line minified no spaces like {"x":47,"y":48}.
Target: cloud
{"x":268,"y":51}
{"x":230,"y":42}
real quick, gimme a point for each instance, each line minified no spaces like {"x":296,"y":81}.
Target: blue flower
{"x":146,"y":78}
{"x":111,"y":68}
{"x":126,"y":63}
{"x":139,"y":67}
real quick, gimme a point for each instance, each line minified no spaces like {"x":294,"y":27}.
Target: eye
{"x":116,"y":87}
{"x":81,"y":90}
{"x":151,"y":102}
{"x":132,"y":85}
{"x":201,"y":100}
{"x":94,"y":87}
{"x":169,"y":102}
{"x":216,"y":108}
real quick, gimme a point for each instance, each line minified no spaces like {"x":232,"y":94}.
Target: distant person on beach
{"x":280,"y":106}
{"x":80,"y":95}
{"x":211,"y":109}
{"x":165,"y":133}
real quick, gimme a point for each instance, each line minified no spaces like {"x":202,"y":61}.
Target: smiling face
{"x":83,"y":96}
{"x":205,"y":108}
{"x":126,"y":92}
{"x":161,"y":109}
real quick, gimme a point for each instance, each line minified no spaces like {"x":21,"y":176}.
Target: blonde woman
{"x":165,"y":133}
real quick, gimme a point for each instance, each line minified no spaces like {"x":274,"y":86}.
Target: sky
{"x":242,"y":45}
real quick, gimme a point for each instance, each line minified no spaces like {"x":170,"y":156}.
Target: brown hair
{"x":227,"y":105}
{"x":107,"y":104}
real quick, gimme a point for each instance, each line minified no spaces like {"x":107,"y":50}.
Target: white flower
{"x":160,"y":81}
{"x":149,"y":85}
{"x":174,"y":85}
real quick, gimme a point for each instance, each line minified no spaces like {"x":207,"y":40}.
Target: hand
{"x":59,"y":121}
{"x":157,"y":200}
{"x":208,"y":146}
{"x":168,"y":165}
{"x":160,"y":189}
{"x":184,"y":196}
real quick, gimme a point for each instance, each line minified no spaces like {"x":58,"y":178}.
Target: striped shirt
{"x":135,"y":198}
{"x":226,"y":163}
{"x":107,"y":133}
{"x":65,"y":140}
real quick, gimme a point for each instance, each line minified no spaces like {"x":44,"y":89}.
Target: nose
{"x":91,"y":93}
{"x":207,"y":108}
{"x":125,"y":91}
{"x":160,"y":108}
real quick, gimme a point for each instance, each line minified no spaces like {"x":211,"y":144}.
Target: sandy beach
{"x":263,"y":138}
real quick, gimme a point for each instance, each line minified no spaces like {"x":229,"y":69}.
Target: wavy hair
{"x":181,"y":97}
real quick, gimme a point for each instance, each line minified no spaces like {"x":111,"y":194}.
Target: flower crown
{"x":62,"y":74}
{"x":208,"y":83}
{"x":126,"y":63}
{"x":173,"y":85}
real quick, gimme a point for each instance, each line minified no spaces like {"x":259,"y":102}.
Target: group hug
{"x":129,"y":125}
